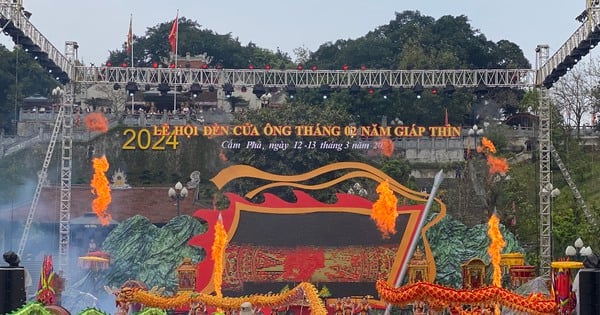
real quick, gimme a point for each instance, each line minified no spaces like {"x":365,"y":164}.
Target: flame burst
{"x":218,"y":252}
{"x":101,"y":188}
{"x":387,"y":146}
{"x":385,"y":210}
{"x":497,"y":243}
{"x":96,"y":122}
{"x":487,"y":146}
{"x":496,"y":165}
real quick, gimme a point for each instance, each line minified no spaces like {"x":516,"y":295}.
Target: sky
{"x":101,"y":26}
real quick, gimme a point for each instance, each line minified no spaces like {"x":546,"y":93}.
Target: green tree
{"x":415,"y":41}
{"x":509,"y":55}
{"x":20,"y":76}
{"x":398,"y":169}
{"x":221,"y":49}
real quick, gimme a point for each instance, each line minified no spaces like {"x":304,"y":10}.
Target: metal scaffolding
{"x":514,"y":78}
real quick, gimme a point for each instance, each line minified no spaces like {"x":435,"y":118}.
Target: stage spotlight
{"x":259,"y":90}
{"x":163,"y":88}
{"x":11,"y":258}
{"x":418,"y":90}
{"x":386,"y":90}
{"x":354,"y":89}
{"x":325,"y":90}
{"x":481,"y":90}
{"x":449,"y":89}
{"x":131,"y":88}
{"x":228,"y":89}
{"x":195,"y":90}
{"x":291,"y":90}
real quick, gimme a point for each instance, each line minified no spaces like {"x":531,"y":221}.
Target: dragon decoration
{"x":439,"y":298}
{"x":303,"y":291}
{"x":435,"y":296}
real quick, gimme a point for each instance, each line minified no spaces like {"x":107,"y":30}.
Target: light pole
{"x":177,"y":194}
{"x":549,"y":189}
{"x":473,"y":133}
{"x":396,"y":122}
{"x":265,"y":99}
{"x":578,"y":251}
{"x":551,"y":192}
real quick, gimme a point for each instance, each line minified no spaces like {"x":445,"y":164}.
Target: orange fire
{"x":387,"y":146}
{"x":497,"y":243}
{"x":101,"y":188}
{"x":487,"y":146}
{"x":497,"y":165}
{"x":218,"y":252}
{"x":96,"y":122}
{"x":385,"y":210}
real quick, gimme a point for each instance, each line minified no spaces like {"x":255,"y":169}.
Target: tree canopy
{"x":222,"y":49}
{"x":410,"y":41}
{"x":20,"y":77}
{"x":415,"y":41}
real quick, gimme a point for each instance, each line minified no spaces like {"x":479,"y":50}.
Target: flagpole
{"x":130,"y":46}
{"x":131,"y":34}
{"x":176,"y":53}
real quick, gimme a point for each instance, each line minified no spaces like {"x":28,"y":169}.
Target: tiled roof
{"x":151,"y":202}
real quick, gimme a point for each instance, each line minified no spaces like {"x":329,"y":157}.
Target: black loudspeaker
{"x":589,"y":291}
{"x":12,"y":289}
